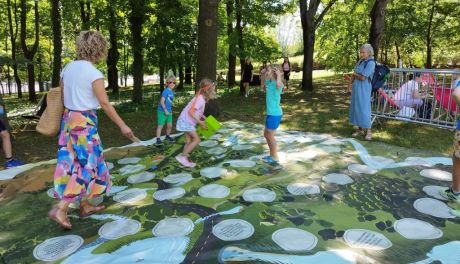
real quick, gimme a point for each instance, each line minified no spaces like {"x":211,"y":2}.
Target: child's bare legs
{"x":456,"y":174}
{"x":159,"y":128}
{"x":246,"y":89}
{"x":59,"y":214}
{"x":193,"y":141}
{"x":5,"y":135}
{"x":168,"y":128}
{"x":269,"y":135}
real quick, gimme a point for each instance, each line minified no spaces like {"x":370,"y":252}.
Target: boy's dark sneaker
{"x":450,"y":195}
{"x":170,"y":139}
{"x":13,"y":163}
{"x":158,"y":142}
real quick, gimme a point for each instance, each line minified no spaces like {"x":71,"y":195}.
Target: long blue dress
{"x":360,"y":106}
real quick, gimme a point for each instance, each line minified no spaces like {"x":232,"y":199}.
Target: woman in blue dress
{"x":360,"y":87}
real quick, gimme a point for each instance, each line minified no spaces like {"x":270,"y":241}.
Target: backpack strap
{"x":365,"y":64}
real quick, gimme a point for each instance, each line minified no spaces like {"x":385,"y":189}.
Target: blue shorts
{"x":272,"y":122}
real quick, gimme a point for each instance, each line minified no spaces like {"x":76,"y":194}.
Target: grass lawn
{"x":323,"y":111}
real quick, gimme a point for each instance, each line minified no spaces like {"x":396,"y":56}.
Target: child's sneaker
{"x":170,"y":139}
{"x":184,"y":161}
{"x":158,"y":142}
{"x":450,"y":195}
{"x":13,"y":163}
{"x":270,"y":160}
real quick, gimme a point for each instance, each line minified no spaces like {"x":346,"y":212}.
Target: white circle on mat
{"x":233,"y":230}
{"x":129,"y":160}
{"x":50,"y":192}
{"x":436,"y":174}
{"x":367,"y":239}
{"x":130,"y":196}
{"x":411,"y":228}
{"x":433,"y":207}
{"x":110,"y":165}
{"x":141,"y":177}
{"x":224,"y":130}
{"x":178,"y":178}
{"x":208,"y":143}
{"x":259,"y":195}
{"x":214,"y":191}
{"x":338,"y":178}
{"x":119,"y":228}
{"x":128,"y":169}
{"x":433,"y":191}
{"x":169,"y":194}
{"x":242,"y":147}
{"x":173,"y":227}
{"x":241,"y":163}
{"x":56,"y":248}
{"x":360,"y":168}
{"x":215,"y":136}
{"x":213,"y":172}
{"x":300,"y":188}
{"x":294,"y":239}
{"x":216,"y":151}
{"x":331,"y":149}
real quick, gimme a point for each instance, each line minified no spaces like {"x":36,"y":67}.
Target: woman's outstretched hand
{"x":127,"y":132}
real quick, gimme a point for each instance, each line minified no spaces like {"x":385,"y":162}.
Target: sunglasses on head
{"x":171,"y":82}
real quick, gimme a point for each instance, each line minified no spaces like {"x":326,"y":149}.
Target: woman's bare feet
{"x":59,"y":215}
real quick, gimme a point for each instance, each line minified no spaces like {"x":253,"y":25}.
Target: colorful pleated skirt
{"x":81,"y":171}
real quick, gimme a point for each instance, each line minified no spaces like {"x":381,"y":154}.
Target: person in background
{"x":164,"y":111}
{"x":408,"y":94}
{"x":81,"y":172}
{"x":247,"y":76}
{"x":6,"y":144}
{"x":286,"y":66}
{"x":263,"y":71}
{"x":453,"y":193}
{"x":359,"y":83}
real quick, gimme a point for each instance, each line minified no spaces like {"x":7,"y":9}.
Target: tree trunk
{"x":85,"y":14}
{"x":231,"y":45}
{"x":57,"y":42}
{"x":181,"y":76}
{"x":309,"y":25}
{"x":13,"y":37}
{"x":113,"y":54}
{"x":136,"y":20}
{"x":377,"y":24}
{"x":207,"y":39}
{"x":239,"y":32}
{"x":428,"y":63}
{"x":398,"y":55}
{"x":188,"y":75}
{"x":162,"y":77}
{"x":40,"y":72}
{"x":30,"y":53}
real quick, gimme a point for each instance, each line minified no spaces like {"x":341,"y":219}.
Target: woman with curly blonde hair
{"x":81,"y":171}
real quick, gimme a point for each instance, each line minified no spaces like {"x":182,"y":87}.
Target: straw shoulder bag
{"x":50,"y":121}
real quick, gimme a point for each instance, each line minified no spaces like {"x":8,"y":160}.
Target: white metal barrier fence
{"x":418,"y":96}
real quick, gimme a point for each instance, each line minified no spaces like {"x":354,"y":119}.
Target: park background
{"x":192,"y":39}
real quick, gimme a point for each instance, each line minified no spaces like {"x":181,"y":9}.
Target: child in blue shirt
{"x":164,"y":110}
{"x":273,"y":87}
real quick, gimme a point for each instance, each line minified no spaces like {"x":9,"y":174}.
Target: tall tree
{"x":113,"y":54}
{"x":310,"y":22}
{"x":207,"y":39}
{"x":85,"y":12}
{"x":13,"y":38}
{"x":30,"y":53}
{"x":57,"y":41}
{"x":231,"y":43}
{"x":136,"y":20}
{"x":377,"y":24}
